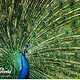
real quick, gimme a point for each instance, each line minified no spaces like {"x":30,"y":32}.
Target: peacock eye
{"x":4,"y":6}
{"x":61,"y":3}
{"x":75,"y":40}
{"x":66,"y":32}
{"x":25,"y":34}
{"x":68,"y":72}
{"x":34,"y":33}
{"x":31,"y":21}
{"x":63,"y":18}
{"x":0,"y":34}
{"x":71,"y":3}
{"x":39,"y":8}
{"x":53,"y":24}
{"x":44,"y":23}
{"x":51,"y":11}
{"x":76,"y":53}
{"x":6,"y":23}
{"x":23,"y":24}
{"x":14,"y":30}
{"x":16,"y":14}
{"x":30,"y":10}
{"x":74,"y":22}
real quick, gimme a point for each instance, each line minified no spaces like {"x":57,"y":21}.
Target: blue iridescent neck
{"x":24,"y":73}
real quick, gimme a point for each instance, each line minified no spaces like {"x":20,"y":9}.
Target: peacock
{"x":40,"y":39}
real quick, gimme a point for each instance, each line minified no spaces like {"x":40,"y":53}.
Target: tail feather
{"x":48,"y":29}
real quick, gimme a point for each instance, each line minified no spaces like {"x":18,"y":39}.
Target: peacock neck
{"x":24,"y":73}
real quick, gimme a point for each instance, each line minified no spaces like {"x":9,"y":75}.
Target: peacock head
{"x":24,"y":51}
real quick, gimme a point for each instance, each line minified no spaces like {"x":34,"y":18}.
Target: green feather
{"x":49,"y":30}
